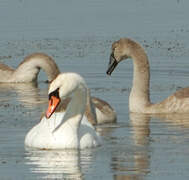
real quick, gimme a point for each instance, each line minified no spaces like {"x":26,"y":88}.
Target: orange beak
{"x":53,"y":103}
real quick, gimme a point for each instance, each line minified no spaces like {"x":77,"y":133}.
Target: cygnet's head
{"x":121,"y":49}
{"x":63,"y":86}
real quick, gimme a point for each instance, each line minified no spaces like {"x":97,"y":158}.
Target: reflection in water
{"x":177,"y":120}
{"x":140,"y":127}
{"x":26,"y":93}
{"x":106,"y":129}
{"x":63,"y":164}
{"x":140,"y":155}
{"x":141,"y":133}
{"x":138,"y":159}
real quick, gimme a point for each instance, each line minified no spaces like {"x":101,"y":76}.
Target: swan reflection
{"x":140,"y":128}
{"x":27,"y":94}
{"x":177,"y":120}
{"x":141,"y":125}
{"x":134,"y":163}
{"x":63,"y":164}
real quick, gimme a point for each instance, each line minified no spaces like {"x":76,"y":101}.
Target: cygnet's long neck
{"x":28,"y":70}
{"x":139,"y":96}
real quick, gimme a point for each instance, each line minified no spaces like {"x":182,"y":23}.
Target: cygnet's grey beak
{"x":112,"y":64}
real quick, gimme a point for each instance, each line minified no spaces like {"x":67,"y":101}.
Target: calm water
{"x":78,"y":35}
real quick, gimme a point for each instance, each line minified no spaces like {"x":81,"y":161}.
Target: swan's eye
{"x":54,"y":93}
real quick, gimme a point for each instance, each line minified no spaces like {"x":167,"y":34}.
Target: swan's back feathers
{"x":102,"y":105}
{"x":4,"y":67}
{"x":6,"y":73}
{"x":103,"y":111}
{"x":182,"y":93}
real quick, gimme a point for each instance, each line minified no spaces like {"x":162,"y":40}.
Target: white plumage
{"x":65,"y":130}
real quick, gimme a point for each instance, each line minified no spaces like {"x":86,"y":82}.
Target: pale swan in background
{"x":139,"y":100}
{"x":29,"y":68}
{"x":62,"y":130}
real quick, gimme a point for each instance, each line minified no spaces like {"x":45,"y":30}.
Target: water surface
{"x":78,"y":35}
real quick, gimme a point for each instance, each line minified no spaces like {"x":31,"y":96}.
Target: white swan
{"x":60,"y":130}
{"x":139,"y":99}
{"x":29,"y":68}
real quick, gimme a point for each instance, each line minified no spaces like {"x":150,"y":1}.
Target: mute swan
{"x":29,"y":68}
{"x":59,"y":130}
{"x":139,"y":100}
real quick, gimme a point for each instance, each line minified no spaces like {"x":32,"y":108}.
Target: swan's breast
{"x":48,"y":134}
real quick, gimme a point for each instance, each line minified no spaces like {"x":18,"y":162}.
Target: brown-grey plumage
{"x":139,"y":99}
{"x":28,"y":69}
